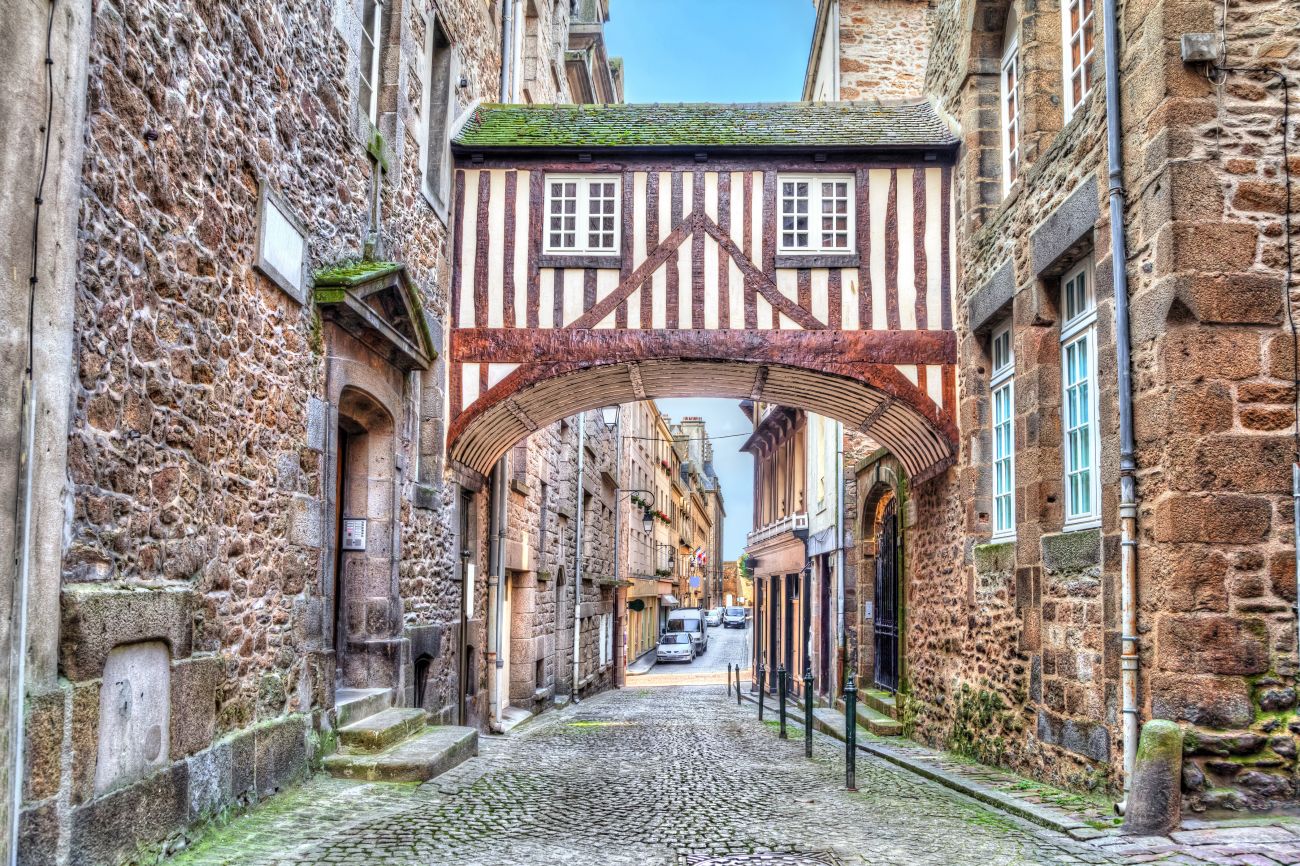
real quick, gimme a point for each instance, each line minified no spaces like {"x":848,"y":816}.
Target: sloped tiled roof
{"x":778,"y":125}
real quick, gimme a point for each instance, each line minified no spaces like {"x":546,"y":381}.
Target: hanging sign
{"x":354,"y":533}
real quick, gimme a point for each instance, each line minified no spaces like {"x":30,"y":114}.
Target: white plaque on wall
{"x":354,"y":533}
{"x":281,"y":245}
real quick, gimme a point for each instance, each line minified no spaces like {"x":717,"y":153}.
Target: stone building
{"x":700,"y":527}
{"x":240,"y":529}
{"x":867,"y":49}
{"x":1073,"y":574}
{"x":646,"y":555}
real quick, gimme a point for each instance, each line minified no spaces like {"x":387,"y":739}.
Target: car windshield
{"x":691,"y":624}
{"x":675,"y":637}
{"x":735,"y":611}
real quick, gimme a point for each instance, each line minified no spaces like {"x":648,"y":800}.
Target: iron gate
{"x":885,"y":619}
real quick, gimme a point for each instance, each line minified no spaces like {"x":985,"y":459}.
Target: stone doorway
{"x":885,"y":620}
{"x":367,"y":607}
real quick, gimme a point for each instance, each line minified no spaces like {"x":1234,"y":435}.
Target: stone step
{"x":879,"y":700}
{"x":872,"y":719}
{"x":353,"y":705}
{"x":378,"y":732}
{"x":877,"y":722}
{"x":429,"y":754}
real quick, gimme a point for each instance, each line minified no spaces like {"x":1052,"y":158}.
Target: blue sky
{"x":714,"y":51}
{"x":711,"y":50}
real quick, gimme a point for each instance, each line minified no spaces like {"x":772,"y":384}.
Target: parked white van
{"x":690,"y":620}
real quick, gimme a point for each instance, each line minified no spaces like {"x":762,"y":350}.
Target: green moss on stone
{"x":1161,"y":740}
{"x":995,"y":558}
{"x":353,"y":272}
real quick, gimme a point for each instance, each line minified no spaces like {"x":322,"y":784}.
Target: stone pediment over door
{"x":376,"y":303}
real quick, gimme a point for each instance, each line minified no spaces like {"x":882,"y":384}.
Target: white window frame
{"x":1079,"y":327}
{"x":1010,"y":102}
{"x":1002,"y":415}
{"x":373,"y":32}
{"x":582,"y":233}
{"x":816,"y":211}
{"x":1087,"y":27}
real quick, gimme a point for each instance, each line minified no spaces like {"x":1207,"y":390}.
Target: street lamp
{"x":609,"y":415}
{"x":647,"y":521}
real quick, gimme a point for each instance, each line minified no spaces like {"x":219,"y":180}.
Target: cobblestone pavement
{"x":675,"y":775}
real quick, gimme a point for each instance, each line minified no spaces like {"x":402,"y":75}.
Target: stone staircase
{"x":877,"y":711}
{"x":382,"y":743}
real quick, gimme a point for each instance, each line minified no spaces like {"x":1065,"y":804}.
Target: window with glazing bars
{"x":582,"y":214}
{"x":1004,"y":446}
{"x":816,"y":213}
{"x":1079,"y":394}
{"x":372,"y":20}
{"x":1077,"y":29}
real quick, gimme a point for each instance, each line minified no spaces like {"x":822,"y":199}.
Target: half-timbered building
{"x":790,"y":253}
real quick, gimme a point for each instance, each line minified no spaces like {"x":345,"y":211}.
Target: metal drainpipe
{"x":24,"y":559}
{"x":507,"y":49}
{"x":1128,"y":503}
{"x":498,"y":566}
{"x":577,"y":557}
{"x":840,"y":556}
{"x":616,"y":631}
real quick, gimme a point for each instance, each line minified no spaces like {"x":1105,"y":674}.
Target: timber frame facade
{"x":696,"y":296}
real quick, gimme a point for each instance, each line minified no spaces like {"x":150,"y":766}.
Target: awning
{"x":669,"y":600}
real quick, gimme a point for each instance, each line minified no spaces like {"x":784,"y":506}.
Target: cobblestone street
{"x":696,"y":779}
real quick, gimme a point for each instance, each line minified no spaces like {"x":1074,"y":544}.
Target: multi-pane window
{"x":1010,"y":84}
{"x":372,"y":19}
{"x":1079,"y":394}
{"x":816,"y":213}
{"x":1076,"y":33}
{"x":582,"y":214}
{"x":1002,"y":385}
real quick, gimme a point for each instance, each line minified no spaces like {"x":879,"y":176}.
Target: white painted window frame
{"x":816,"y":210}
{"x":1002,"y":396}
{"x":372,"y":31}
{"x":1079,"y":326}
{"x":1009,"y":101}
{"x":1087,"y":23}
{"x":582,"y":233}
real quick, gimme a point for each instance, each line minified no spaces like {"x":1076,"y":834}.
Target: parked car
{"x":675,"y":646}
{"x":691,"y":620}
{"x":713,"y":616}
{"x":733,"y":617}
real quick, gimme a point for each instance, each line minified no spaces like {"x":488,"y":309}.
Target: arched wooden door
{"x":885,"y":618}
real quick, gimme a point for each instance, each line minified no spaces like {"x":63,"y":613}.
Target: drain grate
{"x":765,"y":858}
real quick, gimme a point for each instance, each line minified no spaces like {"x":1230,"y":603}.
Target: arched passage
{"x":874,"y":398}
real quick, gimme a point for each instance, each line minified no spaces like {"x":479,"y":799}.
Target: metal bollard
{"x":737,"y":685}
{"x":807,"y":711}
{"x":728,"y":679}
{"x":851,"y":734}
{"x":762,"y":689}
{"x":780,"y":692}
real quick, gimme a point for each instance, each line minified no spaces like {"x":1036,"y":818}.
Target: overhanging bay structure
{"x":791,"y":253}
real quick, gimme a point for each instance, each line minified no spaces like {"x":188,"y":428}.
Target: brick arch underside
{"x":873,"y":398}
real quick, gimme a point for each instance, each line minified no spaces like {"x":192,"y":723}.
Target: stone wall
{"x":882,"y":48}
{"x":1212,"y":389}
{"x":201,"y":450}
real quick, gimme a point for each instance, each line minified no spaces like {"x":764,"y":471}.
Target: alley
{"x":665,"y":775}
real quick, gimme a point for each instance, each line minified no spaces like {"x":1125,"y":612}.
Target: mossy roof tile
{"x":781,"y":125}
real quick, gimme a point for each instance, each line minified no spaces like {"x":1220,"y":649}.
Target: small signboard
{"x":354,"y":533}
{"x":695,"y":582}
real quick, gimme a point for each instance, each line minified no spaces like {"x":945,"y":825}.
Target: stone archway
{"x":885,"y":497}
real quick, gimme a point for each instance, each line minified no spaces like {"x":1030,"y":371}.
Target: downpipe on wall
{"x":577,"y":556}
{"x":23,"y":511}
{"x":498,"y":566}
{"x":841,"y":643}
{"x":1128,"y":501}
